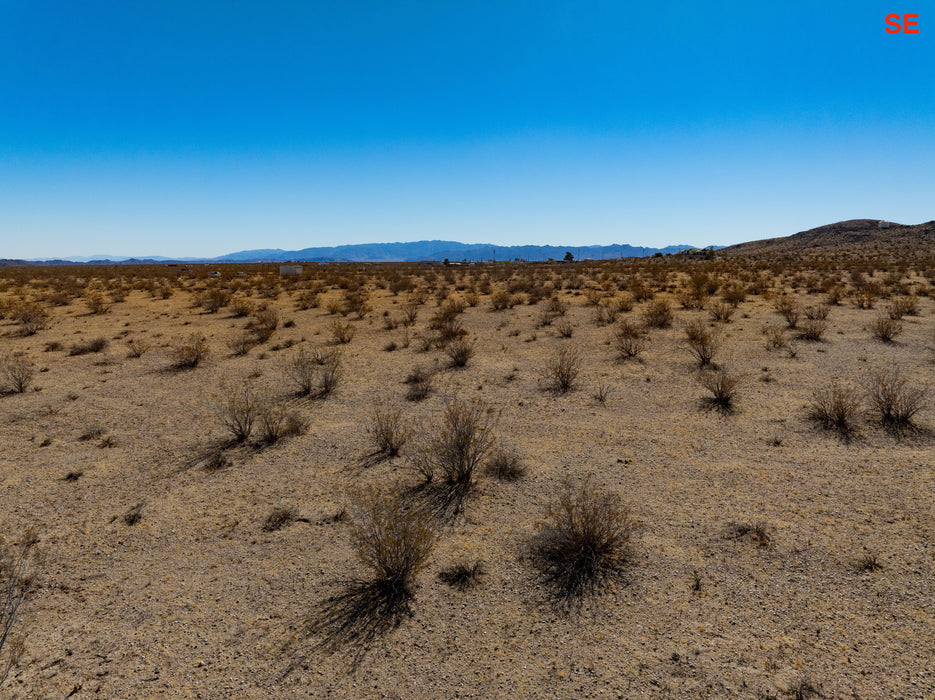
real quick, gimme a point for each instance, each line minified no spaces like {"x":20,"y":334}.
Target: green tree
{"x":569,"y":257}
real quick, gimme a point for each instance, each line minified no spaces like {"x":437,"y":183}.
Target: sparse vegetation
{"x":723,"y":386}
{"x":894,"y":399}
{"x":188,"y":353}
{"x":388,"y":429}
{"x":835,"y":407}
{"x":16,"y":373}
{"x":584,"y":543}
{"x":561,"y":370}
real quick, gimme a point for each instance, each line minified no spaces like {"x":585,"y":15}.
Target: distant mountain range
{"x":389,"y":252}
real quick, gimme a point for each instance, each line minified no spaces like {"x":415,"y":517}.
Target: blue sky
{"x":202,"y":128}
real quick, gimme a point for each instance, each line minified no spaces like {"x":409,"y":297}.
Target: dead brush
{"x":721,"y":312}
{"x":505,"y":464}
{"x":235,"y":408}
{"x":314,"y":373}
{"x":388,"y":429}
{"x":894,"y":399}
{"x":420,"y":382}
{"x":18,"y":563}
{"x":885,"y":328}
{"x":789,"y":309}
{"x":450,"y":454}
{"x":629,"y":340}
{"x":702,"y":342}
{"x":16,"y":373}
{"x":657,"y":314}
{"x":277,"y":420}
{"x":723,"y":386}
{"x":264,"y":324}
{"x":758,"y":531}
{"x":835,"y":407}
{"x":137,"y":347}
{"x":393,"y":542}
{"x":583,"y":545}
{"x":561,"y":371}
{"x":812,"y":329}
{"x":463,"y":576}
{"x":459,"y":352}
{"x":188,"y":353}
{"x":88,"y":346}
{"x":342,"y":333}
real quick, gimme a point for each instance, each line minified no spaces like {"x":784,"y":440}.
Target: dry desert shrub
{"x":342,"y":333}
{"x":463,"y":575}
{"x":505,"y":464}
{"x":88,"y":346}
{"x":280,"y":518}
{"x":789,"y":309}
{"x":903,"y":306}
{"x":16,"y":373}
{"x":241,"y":307}
{"x":723,"y":386}
{"x":734,"y":294}
{"x":450,"y":454}
{"x":702,"y":342}
{"x":812,"y":329}
{"x":583,"y":545}
{"x":657,"y":314}
{"x":721,"y":312}
{"x":394,"y":543}
{"x":214,"y":299}
{"x":241,"y":343}
{"x":885,"y":328}
{"x":264,"y":324}
{"x":459,"y":352}
{"x":315,"y":373}
{"x":236,"y":410}
{"x":277,"y":420}
{"x":561,"y":371}
{"x":30,"y":316}
{"x":136,"y":347}
{"x":894,"y":399}
{"x":17,"y":565}
{"x":759,"y":532}
{"x":388,"y":429}
{"x":96,"y":303}
{"x":502,"y":300}
{"x":835,"y":407}
{"x":629,"y":340}
{"x":188,"y":353}
{"x":420,"y":384}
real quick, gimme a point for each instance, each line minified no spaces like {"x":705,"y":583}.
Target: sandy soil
{"x":196,"y":600}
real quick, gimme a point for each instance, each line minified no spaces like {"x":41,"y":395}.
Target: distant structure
{"x":290,"y":269}
{"x":884,"y":224}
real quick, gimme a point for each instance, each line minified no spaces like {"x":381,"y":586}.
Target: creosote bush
{"x":463,"y":576}
{"x":88,"y":346}
{"x":459,"y":352}
{"x":420,"y":384}
{"x":583,"y":545}
{"x":894,"y":399}
{"x":314,"y":373}
{"x":505,"y":464}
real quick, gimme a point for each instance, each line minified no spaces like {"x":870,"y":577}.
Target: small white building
{"x":290,"y":269}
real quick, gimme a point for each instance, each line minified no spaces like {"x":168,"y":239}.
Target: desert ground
{"x":767,"y":553}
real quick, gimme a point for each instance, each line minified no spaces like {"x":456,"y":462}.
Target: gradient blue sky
{"x":200,"y":128}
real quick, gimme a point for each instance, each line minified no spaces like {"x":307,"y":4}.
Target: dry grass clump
{"x":16,"y":373}
{"x":835,"y":407}
{"x":394,"y":543}
{"x":388,"y":429}
{"x":463,"y":576}
{"x":903,"y":306}
{"x":450,"y":454}
{"x":657,"y":314}
{"x":894,"y":399}
{"x":583,"y":545}
{"x":885,"y":328}
{"x":561,"y":371}
{"x":17,"y":563}
{"x":702,"y":342}
{"x":88,"y":346}
{"x":280,"y":518}
{"x":188,"y":353}
{"x":723,"y":385}
{"x":868,"y":562}
{"x":236,"y":410}
{"x":314,"y":373}
{"x":277,"y":421}
{"x":505,"y":464}
{"x":629,"y":340}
